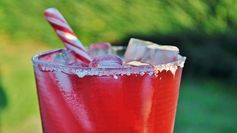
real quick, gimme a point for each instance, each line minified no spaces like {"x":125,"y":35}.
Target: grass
{"x":18,"y":84}
{"x":205,"y":106}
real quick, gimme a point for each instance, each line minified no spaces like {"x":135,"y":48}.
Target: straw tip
{"x":51,"y":10}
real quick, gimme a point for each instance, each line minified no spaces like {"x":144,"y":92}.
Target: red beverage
{"x":76,"y":99}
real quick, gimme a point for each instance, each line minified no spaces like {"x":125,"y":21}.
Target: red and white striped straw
{"x":66,"y":34}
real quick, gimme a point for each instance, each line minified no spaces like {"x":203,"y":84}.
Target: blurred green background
{"x":205,"y":31}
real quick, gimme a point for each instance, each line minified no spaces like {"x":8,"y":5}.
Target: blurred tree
{"x":204,"y":30}
{"x":3,"y":98}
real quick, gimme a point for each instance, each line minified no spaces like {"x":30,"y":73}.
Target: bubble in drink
{"x":107,"y":61}
{"x":151,"y":53}
{"x":100,"y":49}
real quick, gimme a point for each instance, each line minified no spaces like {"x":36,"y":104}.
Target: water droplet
{"x":142,"y":73}
{"x":128,"y":73}
{"x":43,"y":68}
{"x":115,"y":76}
{"x":81,"y":74}
{"x":150,"y":73}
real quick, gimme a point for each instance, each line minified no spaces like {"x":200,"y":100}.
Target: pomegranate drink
{"x":95,"y":90}
{"x":132,"y":98}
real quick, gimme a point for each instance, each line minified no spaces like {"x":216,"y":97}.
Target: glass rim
{"x":72,"y":69}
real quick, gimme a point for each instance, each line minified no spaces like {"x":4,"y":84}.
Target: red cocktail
{"x":77,"y":99}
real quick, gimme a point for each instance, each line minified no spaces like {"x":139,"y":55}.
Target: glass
{"x":76,"y":99}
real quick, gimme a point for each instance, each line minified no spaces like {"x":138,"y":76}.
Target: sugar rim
{"x":83,"y":71}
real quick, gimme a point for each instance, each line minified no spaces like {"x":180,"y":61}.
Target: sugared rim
{"x":82,"y":71}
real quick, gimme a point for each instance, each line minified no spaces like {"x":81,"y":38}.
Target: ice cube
{"x":68,"y":58}
{"x":107,"y":61}
{"x":136,"y":63}
{"x":151,"y":53}
{"x":136,"y":49}
{"x":64,"y":58}
{"x":160,"y":54}
{"x":100,"y":49}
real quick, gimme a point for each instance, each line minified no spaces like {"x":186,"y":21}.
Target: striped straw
{"x":66,"y":34}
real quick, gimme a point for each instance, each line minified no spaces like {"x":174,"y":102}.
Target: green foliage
{"x":206,"y":30}
{"x":206,"y":106}
{"x":103,"y":20}
{"x":18,"y":103}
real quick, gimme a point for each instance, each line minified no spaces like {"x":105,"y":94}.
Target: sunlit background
{"x":204,"y":30}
